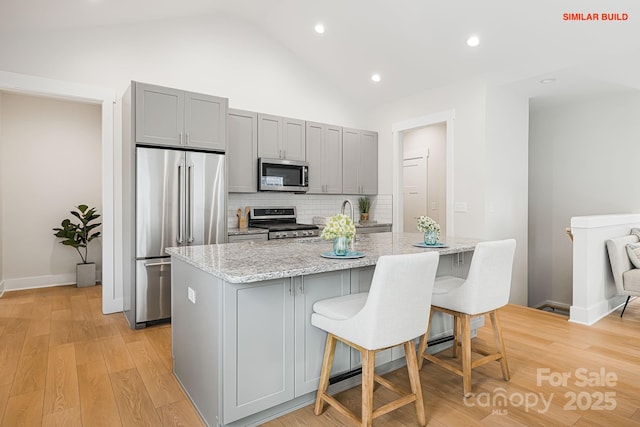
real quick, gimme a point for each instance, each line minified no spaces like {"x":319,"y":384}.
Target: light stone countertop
{"x":248,"y":262}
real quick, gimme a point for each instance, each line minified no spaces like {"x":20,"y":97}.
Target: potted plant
{"x":364,"y":203}
{"x":431,"y":230}
{"x":78,"y":236}
{"x":341,"y":230}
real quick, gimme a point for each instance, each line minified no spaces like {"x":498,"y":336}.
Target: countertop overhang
{"x":249,"y":262}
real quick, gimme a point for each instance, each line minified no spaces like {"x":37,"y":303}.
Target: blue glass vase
{"x":430,"y":237}
{"x":341,"y":246}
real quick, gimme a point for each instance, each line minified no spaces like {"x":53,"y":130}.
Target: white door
{"x":415,"y":188}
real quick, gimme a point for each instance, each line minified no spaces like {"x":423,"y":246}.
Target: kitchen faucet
{"x":342,"y":208}
{"x":344,"y":205}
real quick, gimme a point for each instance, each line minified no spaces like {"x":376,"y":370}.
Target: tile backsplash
{"x":309,"y":205}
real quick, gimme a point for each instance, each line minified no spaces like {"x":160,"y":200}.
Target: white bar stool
{"x":485,"y":290}
{"x":394,"y":311}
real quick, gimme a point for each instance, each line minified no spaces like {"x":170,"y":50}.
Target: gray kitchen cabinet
{"x":253,"y":237}
{"x":324,"y":154}
{"x":258,"y":347}
{"x":242,"y":151}
{"x":166,"y":116}
{"x":359,"y":162}
{"x":310,"y":341}
{"x":281,"y":138}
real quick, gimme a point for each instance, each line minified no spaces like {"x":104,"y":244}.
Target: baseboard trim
{"x":589,"y":316}
{"x":45,"y":281}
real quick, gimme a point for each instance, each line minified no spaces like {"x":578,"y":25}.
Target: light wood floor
{"x":63,"y":363}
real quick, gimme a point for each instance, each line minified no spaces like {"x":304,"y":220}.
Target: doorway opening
{"x":424,"y":175}
{"x":410,"y":148}
{"x":111,"y":192}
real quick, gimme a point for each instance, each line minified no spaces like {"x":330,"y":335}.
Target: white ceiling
{"x":414,"y":44}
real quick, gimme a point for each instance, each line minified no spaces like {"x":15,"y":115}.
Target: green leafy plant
{"x":364,"y":203}
{"x":78,"y":235}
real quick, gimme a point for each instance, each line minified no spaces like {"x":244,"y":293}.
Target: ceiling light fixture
{"x":376,"y":77}
{"x":547,"y":81}
{"x":319,"y":28}
{"x":473,"y":41}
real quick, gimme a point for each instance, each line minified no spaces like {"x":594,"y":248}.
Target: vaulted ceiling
{"x":414,"y":44}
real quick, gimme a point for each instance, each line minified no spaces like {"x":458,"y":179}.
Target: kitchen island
{"x":244,"y":348}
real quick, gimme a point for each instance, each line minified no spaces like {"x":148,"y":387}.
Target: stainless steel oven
{"x":283,"y":175}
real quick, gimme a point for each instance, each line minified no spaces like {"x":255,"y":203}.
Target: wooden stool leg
{"x":456,"y":335}
{"x":423,"y":341}
{"x":497,"y":334}
{"x":368,"y":379}
{"x":327,"y":361}
{"x":466,"y":353}
{"x":414,"y":379}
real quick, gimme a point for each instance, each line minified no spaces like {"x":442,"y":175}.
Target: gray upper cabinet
{"x":359,"y":162}
{"x":324,"y":154}
{"x":242,"y":151}
{"x":166,"y":116}
{"x":281,"y":138}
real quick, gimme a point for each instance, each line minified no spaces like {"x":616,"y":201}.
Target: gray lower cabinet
{"x":242,"y":151}
{"x":166,"y":116}
{"x":237,"y":238}
{"x":258,"y":347}
{"x":324,"y":154}
{"x":310,"y":341}
{"x":359,"y":162}
{"x":373,"y":229}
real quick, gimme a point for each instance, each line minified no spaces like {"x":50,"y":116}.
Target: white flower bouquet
{"x":427,"y":224}
{"x":339,"y":225}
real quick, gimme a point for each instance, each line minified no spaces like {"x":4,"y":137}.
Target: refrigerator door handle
{"x":190,"y":202}
{"x":180,"y":238}
{"x":157,"y":264}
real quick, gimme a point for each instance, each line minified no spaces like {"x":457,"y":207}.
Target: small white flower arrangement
{"x":339,"y":225}
{"x":427,"y":224}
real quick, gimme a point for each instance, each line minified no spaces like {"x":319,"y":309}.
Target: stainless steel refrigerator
{"x":180,"y":201}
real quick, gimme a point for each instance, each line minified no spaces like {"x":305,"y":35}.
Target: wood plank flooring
{"x":64,"y":363}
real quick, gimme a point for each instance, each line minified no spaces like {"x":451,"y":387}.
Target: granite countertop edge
{"x":249,"y":262}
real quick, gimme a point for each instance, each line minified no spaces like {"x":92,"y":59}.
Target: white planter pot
{"x":86,"y":274}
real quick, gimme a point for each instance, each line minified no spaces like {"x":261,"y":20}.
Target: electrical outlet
{"x":460,"y":207}
{"x":191,"y":294}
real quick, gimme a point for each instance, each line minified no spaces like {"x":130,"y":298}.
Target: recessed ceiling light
{"x":473,"y":41}
{"x":376,"y":77}
{"x":319,"y":28}
{"x":547,"y":81}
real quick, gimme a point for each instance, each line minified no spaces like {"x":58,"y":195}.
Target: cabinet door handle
{"x":180,"y":138}
{"x":187,"y":139}
{"x":284,"y":153}
{"x":302,"y":285}
{"x":157,"y":264}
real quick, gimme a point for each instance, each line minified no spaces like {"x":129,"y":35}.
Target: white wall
{"x":434,"y":138}
{"x":51,"y":162}
{"x":489,"y":149}
{"x":506,"y":169}
{"x":468,"y":101}
{"x":215,"y":55}
{"x":583,"y":159}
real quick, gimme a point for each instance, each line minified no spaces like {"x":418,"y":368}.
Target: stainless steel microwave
{"x":283,"y":175}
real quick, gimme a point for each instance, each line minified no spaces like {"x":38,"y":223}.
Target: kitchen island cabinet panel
{"x":310,"y":341}
{"x":258,"y":347}
{"x":195,"y":336}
